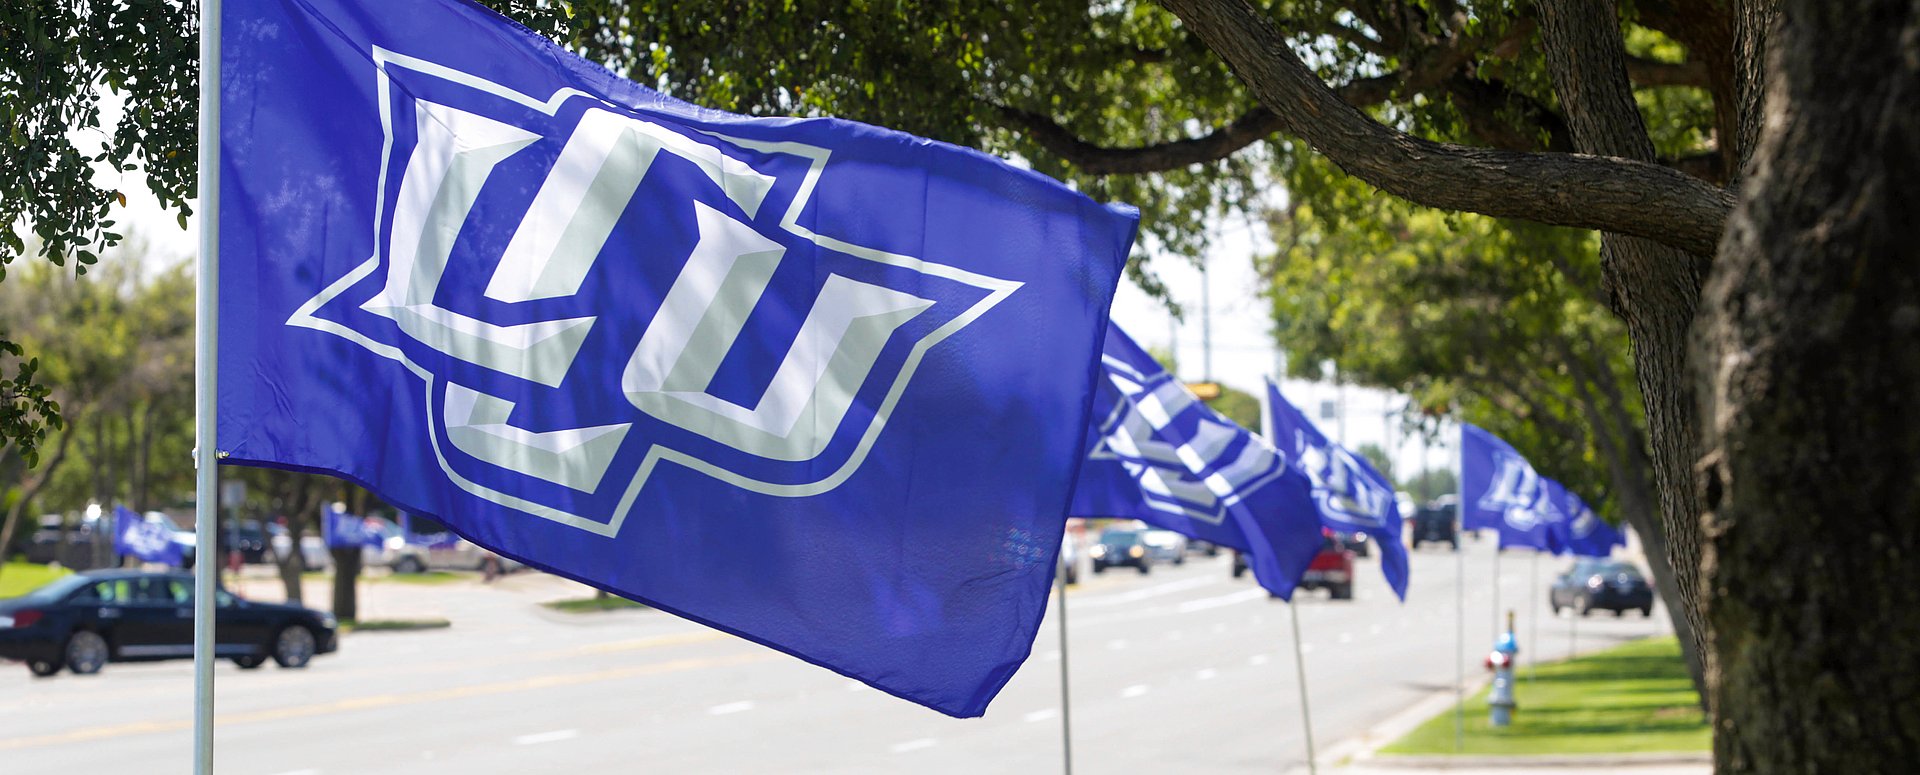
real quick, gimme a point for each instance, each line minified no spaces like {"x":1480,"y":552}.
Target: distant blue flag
{"x":346,"y":531}
{"x":426,"y":532}
{"x":1351,"y":494}
{"x":812,"y":382}
{"x":1576,"y":528}
{"x":1499,"y":489}
{"x":1161,"y":456}
{"x":148,"y":540}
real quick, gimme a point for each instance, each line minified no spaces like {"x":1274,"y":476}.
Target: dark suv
{"x":1118,"y":547}
{"x":83,"y":621}
{"x":1435,"y":524}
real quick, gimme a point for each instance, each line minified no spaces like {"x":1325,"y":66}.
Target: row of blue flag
{"x":1501,"y":491}
{"x":829,"y":387}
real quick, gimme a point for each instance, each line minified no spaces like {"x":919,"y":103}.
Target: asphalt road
{"x":1182,"y":671}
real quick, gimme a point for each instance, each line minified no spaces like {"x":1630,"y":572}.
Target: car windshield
{"x":1619,"y":569}
{"x":1120,"y":538}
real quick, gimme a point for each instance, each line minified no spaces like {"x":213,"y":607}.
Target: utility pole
{"x":1206,"y":323}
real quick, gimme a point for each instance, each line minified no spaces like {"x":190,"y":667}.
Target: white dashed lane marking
{"x":547,"y":737}
{"x":731,"y":707}
{"x":914,"y":745}
{"x":1133,"y":691}
{"x":1041,"y":715}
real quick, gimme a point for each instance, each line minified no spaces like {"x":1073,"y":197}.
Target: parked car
{"x":1605,"y":584}
{"x":453,"y":553}
{"x":313,"y":548}
{"x":1166,"y":546}
{"x":1118,"y":548}
{"x":84,"y":621}
{"x":247,"y":537}
{"x":1435,"y":524}
{"x":1207,"y":548}
{"x":1069,"y":560}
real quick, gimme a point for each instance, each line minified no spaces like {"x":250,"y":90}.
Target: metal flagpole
{"x":1460,"y":603}
{"x":205,"y":348}
{"x":1533,"y":615}
{"x":1066,"y":698}
{"x":1496,"y":583}
{"x":1300,"y":666}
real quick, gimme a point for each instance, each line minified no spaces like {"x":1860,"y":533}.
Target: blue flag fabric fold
{"x":1350,"y":494}
{"x":815,"y":383}
{"x":148,"y":540}
{"x":1161,"y":456}
{"x":1500,"y":490}
{"x":1576,"y":528}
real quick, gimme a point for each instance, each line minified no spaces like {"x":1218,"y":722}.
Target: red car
{"x":1331,"y":569}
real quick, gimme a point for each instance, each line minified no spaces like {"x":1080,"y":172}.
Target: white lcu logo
{"x":606,"y":156}
{"x":1165,"y":470}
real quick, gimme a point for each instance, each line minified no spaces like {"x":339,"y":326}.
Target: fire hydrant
{"x":1500,"y":703}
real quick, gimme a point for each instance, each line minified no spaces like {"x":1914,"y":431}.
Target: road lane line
{"x":1137,"y":595}
{"x":731,"y":707}
{"x":378,"y":701}
{"x":1257,"y":660}
{"x":1116,"y":644}
{"x":547,"y":737}
{"x":1346,"y":637}
{"x":914,"y":745}
{"x":1133,"y":691}
{"x":1222,"y":601}
{"x":1206,"y":673}
{"x":1041,"y":715}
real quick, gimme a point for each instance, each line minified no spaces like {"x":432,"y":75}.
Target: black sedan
{"x":1601,"y":584}
{"x":82,"y":622}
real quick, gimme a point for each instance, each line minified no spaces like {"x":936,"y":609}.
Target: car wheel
{"x":1181,"y":560}
{"x":1619,"y":612}
{"x":1144,"y":568}
{"x":86,"y":652}
{"x":1342,"y":592}
{"x":1646,"y":611}
{"x":1416,"y":543}
{"x":250,"y":661}
{"x":409,"y":565}
{"x":293,"y":647}
{"x":43,"y":668}
{"x":1099,"y":569}
{"x":1585,"y":607}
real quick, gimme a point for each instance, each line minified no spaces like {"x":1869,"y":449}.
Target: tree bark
{"x":1627,"y":196}
{"x":1807,"y":361}
{"x":346,"y":578}
{"x":1654,"y":288}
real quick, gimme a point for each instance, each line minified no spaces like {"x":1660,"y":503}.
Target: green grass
{"x":394,"y":625}
{"x":19,"y":578}
{"x":1634,"y":698}
{"x":429,"y":578}
{"x":587,"y":605}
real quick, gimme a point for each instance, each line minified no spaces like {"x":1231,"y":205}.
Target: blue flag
{"x":347,"y":531}
{"x":150,"y":540}
{"x":426,"y":531}
{"x":1161,"y":456}
{"x":1351,"y":494}
{"x":815,"y":383}
{"x":1499,"y":489}
{"x":1576,"y":528}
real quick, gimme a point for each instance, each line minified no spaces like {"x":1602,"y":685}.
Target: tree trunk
{"x":1655,"y":289}
{"x":31,"y":488}
{"x":346,"y":578}
{"x":1807,"y":357}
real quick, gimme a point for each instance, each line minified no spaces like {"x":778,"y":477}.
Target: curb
{"x":1601,"y":760}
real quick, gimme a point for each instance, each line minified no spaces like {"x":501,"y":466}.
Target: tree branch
{"x":1650,"y":72}
{"x":1593,"y":192}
